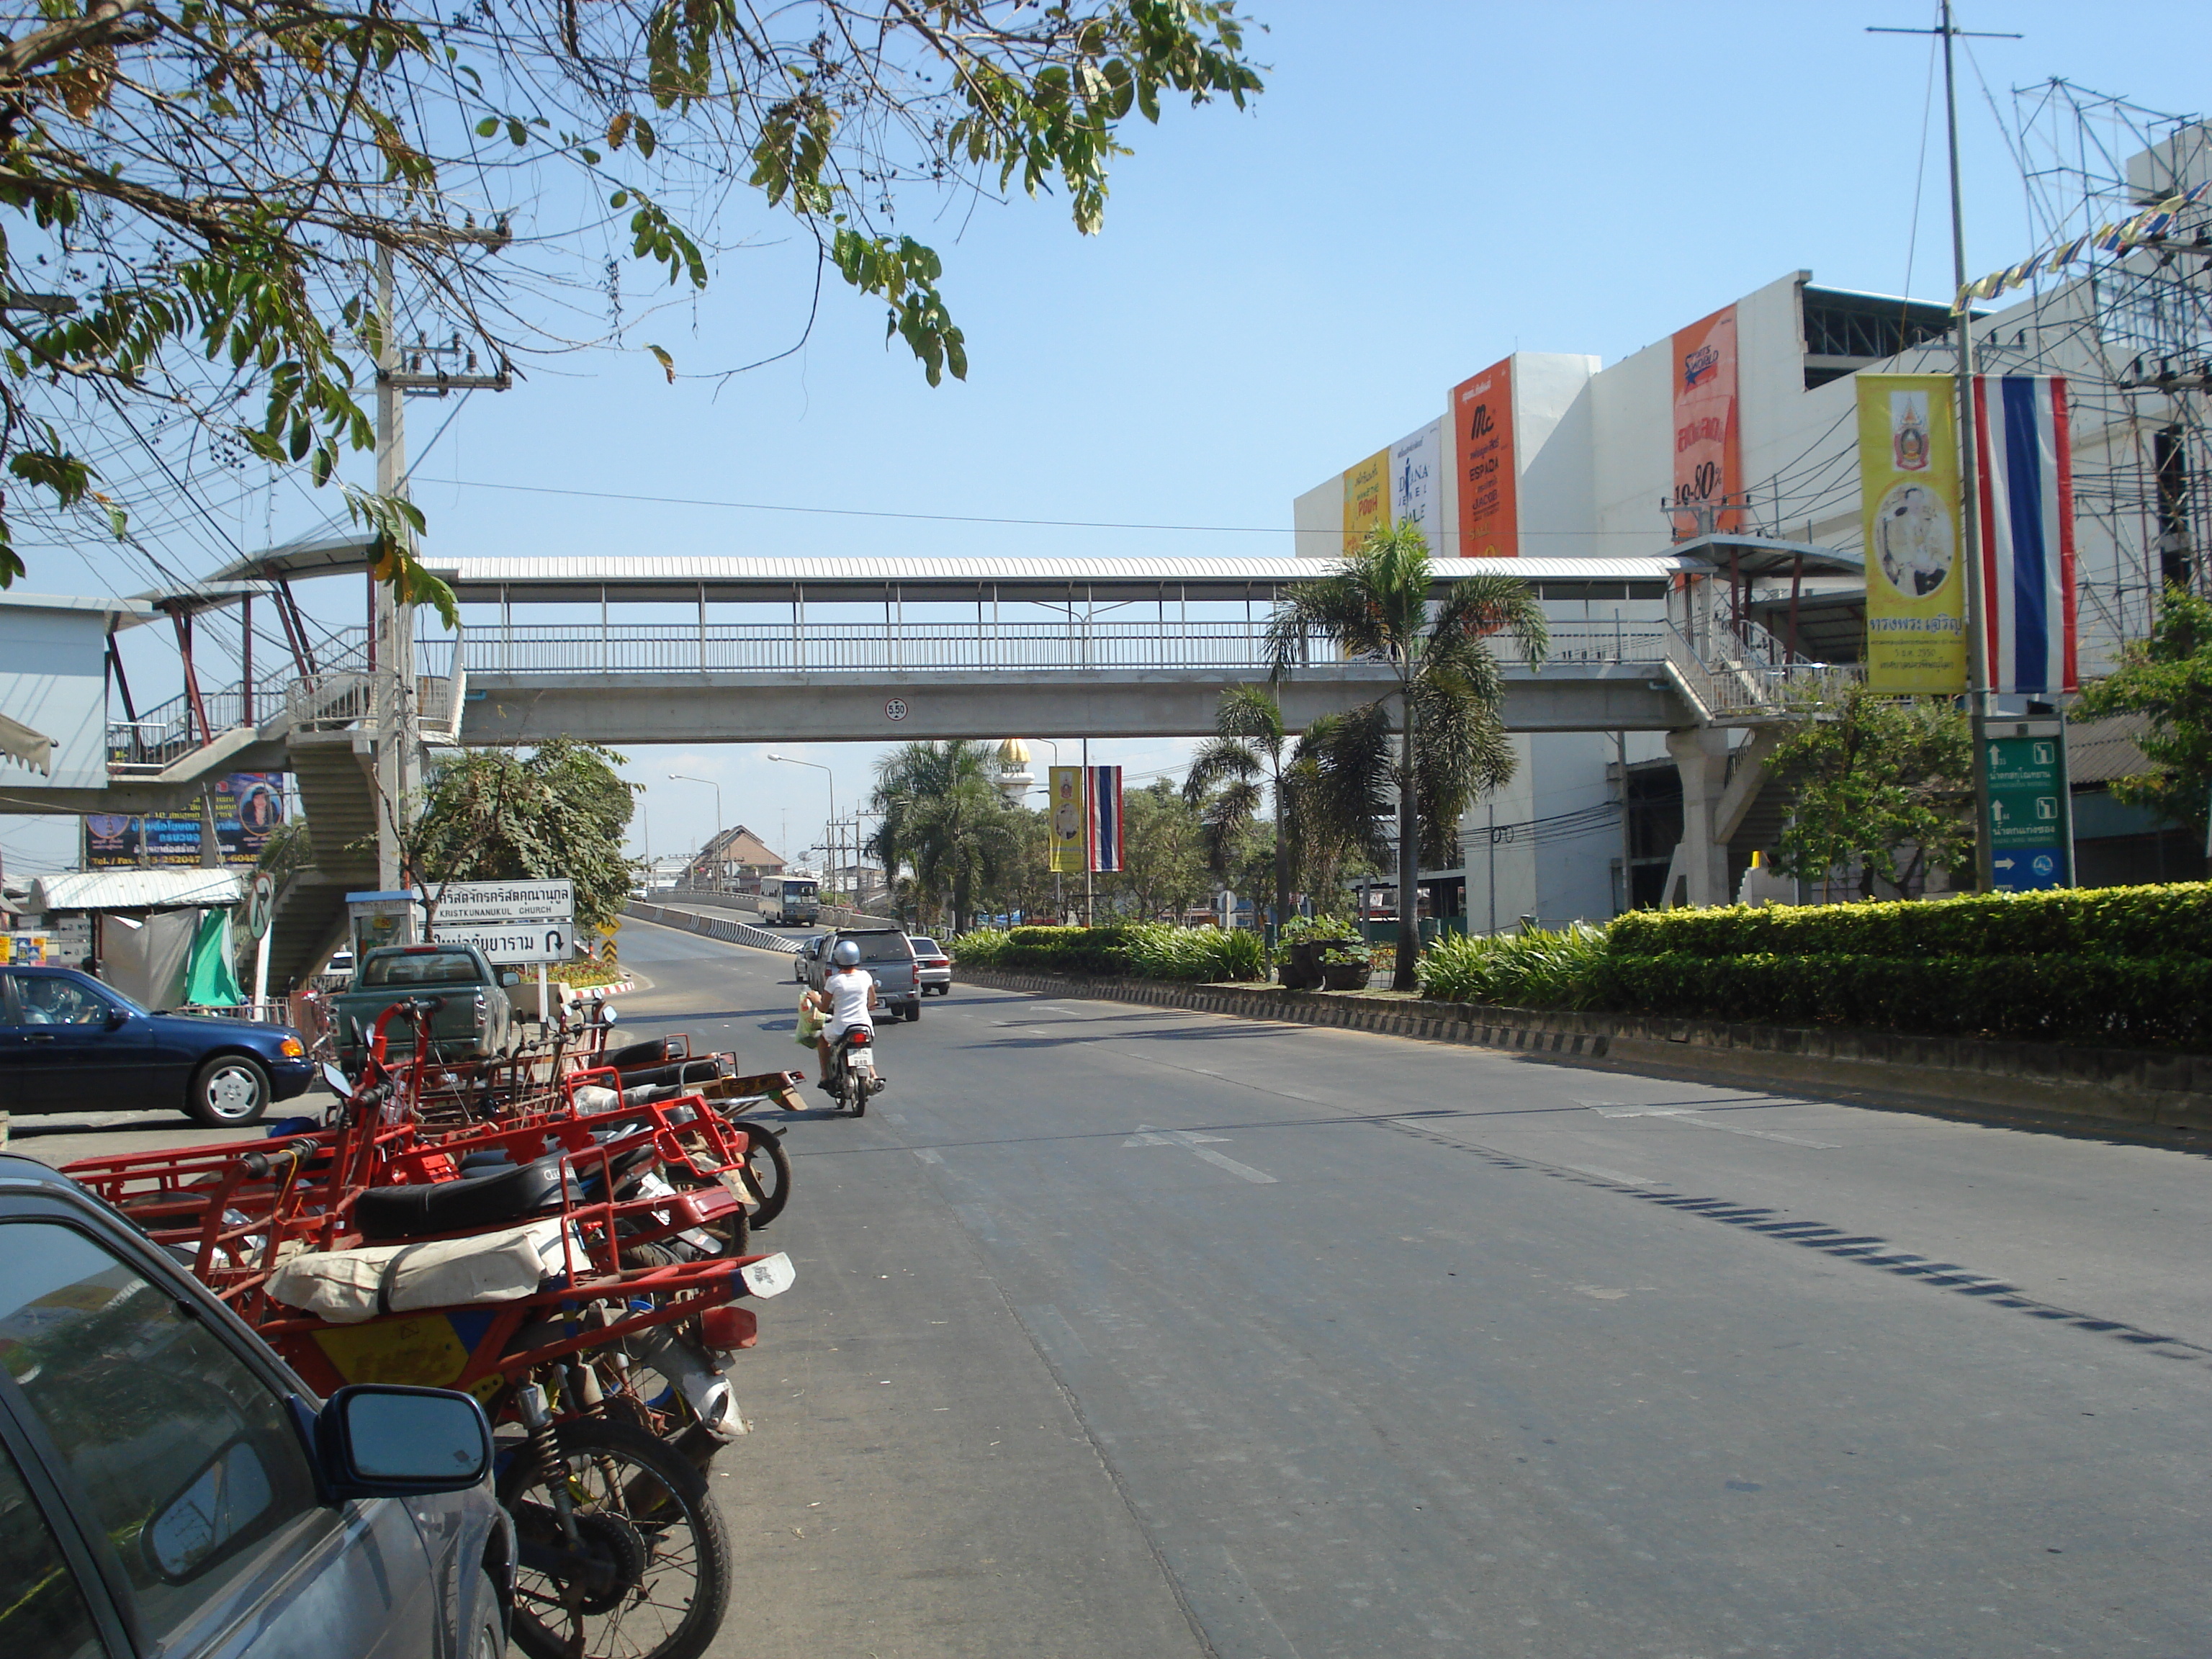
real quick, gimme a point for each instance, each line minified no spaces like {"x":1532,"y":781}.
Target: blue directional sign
{"x":2030,"y":829}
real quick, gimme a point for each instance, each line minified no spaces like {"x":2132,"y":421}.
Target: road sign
{"x":260,"y":903}
{"x":506,"y":901}
{"x":511,"y":944}
{"x":2031,"y":830}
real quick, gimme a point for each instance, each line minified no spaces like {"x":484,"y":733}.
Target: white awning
{"x":134,"y":889}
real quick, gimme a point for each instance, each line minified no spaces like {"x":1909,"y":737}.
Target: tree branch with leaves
{"x":194,"y":193}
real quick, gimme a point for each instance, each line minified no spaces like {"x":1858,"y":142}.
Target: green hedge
{"x":1097,"y":950}
{"x":1141,"y":950}
{"x":2174,"y":920}
{"x":2099,"y":1000}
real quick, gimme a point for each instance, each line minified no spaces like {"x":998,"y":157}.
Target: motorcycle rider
{"x":847,"y":993}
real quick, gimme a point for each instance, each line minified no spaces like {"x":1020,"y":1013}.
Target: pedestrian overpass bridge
{"x":631,"y":649}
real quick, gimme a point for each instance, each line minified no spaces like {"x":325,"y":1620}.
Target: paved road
{"x":1124,"y":1331}
{"x":1128,"y":1333}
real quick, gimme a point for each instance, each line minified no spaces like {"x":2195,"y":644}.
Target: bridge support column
{"x":1698,"y":874}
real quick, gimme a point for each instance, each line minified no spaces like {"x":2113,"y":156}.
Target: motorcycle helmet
{"x":846,"y":954}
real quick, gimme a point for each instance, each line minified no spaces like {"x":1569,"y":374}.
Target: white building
{"x":1743,"y":420}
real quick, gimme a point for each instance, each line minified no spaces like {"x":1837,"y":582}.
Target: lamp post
{"x":792,"y":760}
{"x":684,"y":777}
{"x":1058,"y":904}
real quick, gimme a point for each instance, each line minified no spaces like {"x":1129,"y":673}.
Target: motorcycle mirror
{"x":336,"y":1081}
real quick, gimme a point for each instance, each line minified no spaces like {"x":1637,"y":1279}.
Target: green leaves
{"x":2167,"y":678}
{"x":1882,"y":784}
{"x":905,"y":272}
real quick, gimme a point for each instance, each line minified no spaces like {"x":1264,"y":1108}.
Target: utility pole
{"x":1970,"y":460}
{"x":398,"y":746}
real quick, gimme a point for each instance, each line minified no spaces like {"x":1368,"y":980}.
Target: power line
{"x":935,"y":518}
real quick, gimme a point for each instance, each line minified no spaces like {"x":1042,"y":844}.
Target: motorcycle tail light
{"x":861,"y":1040}
{"x":728,"y":1326}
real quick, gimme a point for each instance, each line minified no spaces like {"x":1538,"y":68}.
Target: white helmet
{"x":846,"y":954}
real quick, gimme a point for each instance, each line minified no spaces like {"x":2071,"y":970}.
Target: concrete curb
{"x":2140,"y":1090}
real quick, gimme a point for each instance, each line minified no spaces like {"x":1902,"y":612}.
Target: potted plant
{"x":1344,"y":965}
{"x":1306,"y":941}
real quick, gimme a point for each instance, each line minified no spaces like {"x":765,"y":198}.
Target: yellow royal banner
{"x":1915,"y":576}
{"x":1067,"y":820}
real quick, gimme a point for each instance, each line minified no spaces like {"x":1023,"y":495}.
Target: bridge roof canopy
{"x":647,"y":577}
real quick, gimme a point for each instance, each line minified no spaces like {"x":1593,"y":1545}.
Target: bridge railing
{"x":952,"y":646}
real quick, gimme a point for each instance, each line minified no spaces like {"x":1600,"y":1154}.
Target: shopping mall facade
{"x":1735,"y":438}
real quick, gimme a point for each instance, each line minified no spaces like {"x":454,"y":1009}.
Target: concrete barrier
{"x":2141,"y":1089}
{"x":721,"y":927}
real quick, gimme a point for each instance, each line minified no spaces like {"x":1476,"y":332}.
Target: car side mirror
{"x":117,"y":1016}
{"x":381,"y":1440}
{"x":509,"y":980}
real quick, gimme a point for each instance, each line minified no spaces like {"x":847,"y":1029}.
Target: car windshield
{"x":422,"y":968}
{"x":883,"y":947}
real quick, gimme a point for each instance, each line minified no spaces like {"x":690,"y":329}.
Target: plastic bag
{"x":809,"y":1024}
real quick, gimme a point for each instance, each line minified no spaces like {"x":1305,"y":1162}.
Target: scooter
{"x":853,"y":1070}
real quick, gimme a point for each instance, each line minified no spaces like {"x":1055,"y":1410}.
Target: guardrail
{"x":721,"y":927}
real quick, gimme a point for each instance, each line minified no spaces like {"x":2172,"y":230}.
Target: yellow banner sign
{"x":1366,"y":499}
{"x":1916,"y":576}
{"x":1067,"y":849}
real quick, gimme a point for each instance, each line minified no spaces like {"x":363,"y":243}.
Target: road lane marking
{"x":1195,"y":1144}
{"x":1693,"y":1116}
{"x":928,"y":1154}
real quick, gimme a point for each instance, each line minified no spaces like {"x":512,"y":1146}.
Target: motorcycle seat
{"x":490,"y":1199}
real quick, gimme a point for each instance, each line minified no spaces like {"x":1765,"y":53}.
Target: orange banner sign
{"x":1482,"y":459}
{"x":1708,"y":450}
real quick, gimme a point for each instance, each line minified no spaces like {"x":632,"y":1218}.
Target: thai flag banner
{"x":1102,"y":806}
{"x":2027,"y":531}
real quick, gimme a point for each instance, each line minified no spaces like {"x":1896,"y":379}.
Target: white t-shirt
{"x":848,"y":989}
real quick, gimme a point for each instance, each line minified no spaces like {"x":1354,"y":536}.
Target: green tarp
{"x":208,"y":981}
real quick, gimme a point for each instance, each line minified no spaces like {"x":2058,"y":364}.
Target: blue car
{"x":167,"y":1486}
{"x":67,"y":1041}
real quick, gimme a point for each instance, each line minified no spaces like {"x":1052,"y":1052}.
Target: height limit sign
{"x":513,"y":923}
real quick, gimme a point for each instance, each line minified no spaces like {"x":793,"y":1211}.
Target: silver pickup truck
{"x":884,"y":952}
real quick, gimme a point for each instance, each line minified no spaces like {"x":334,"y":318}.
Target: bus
{"x":790,"y":901}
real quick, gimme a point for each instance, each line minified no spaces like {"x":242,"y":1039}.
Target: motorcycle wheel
{"x":771,"y":1172}
{"x":859,"y":1087}
{"x":645,"y":1519}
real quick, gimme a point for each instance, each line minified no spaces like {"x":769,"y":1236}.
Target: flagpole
{"x":1970,"y":457}
{"x":1969,"y":486}
{"x":1089,"y":852}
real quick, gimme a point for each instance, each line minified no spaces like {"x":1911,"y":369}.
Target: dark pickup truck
{"x":885,"y":952}
{"x":476,"y":1020}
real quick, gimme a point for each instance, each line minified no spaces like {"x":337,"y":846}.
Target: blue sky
{"x":1421,"y":189}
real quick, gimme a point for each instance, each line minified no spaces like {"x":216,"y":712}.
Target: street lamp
{"x":684,"y":777}
{"x":792,"y":760}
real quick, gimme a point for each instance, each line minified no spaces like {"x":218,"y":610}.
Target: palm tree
{"x":1451,"y":743}
{"x":1226,"y":777}
{"x":942,"y":814}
